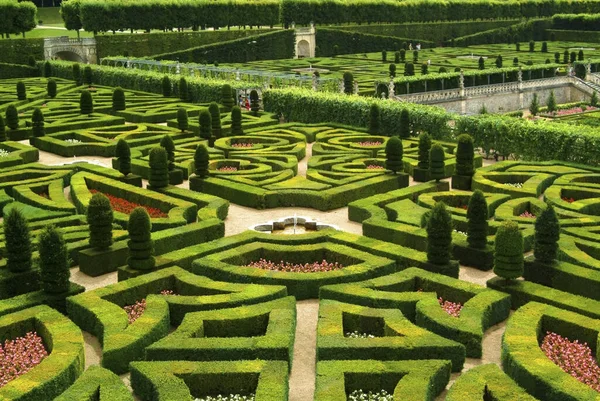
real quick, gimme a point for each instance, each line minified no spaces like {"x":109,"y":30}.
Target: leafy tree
{"x":404,"y":124}
{"x":594,"y":99}
{"x":215,"y":118}
{"x":348,"y":83}
{"x":477,"y":220}
{"x":508,"y":256}
{"x":182,"y":119}
{"x":21,"y":91}
{"x":123,"y":153}
{"x":12,"y":117}
{"x":86,"y":103}
{"x":183,"y":89}
{"x":236,"y":121}
{"x":384,"y":56}
{"x":424,"y":69}
{"x":392,"y":69}
{"x":227,"y":97}
{"x":37,"y":123}
{"x":254,"y":103}
{"x":547,"y":234}
{"x":47,"y":69}
{"x":100,"y":220}
{"x":424,"y":147}
{"x":393,"y":154}
{"x":531,"y":46}
{"x":2,"y":129}
{"x":551,"y":104}
{"x":545,"y":47}
{"x":481,"y":63}
{"x":118,"y":99}
{"x":159,"y":168}
{"x":54,"y":261}
{"x":409,"y":69}
{"x":167,"y":143}
{"x":18,"y":242}
{"x":534,"y":107}
{"x":77,"y":77}
{"x":397,"y":58}
{"x":141,"y":246}
{"x":439,"y":235}
{"x":437,"y":162}
{"x":201,"y":160}
{"x":51,"y":88}
{"x":465,"y":155}
{"x":166,"y":86}
{"x":87,"y":75}
{"x":374,"y":118}
{"x":499,"y":61}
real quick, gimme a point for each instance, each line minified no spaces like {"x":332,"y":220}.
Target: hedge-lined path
{"x":302,"y":377}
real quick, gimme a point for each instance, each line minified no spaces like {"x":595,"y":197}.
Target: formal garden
{"x":203,"y":217}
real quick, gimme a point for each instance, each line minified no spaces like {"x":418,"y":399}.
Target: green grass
{"x":47,"y":33}
{"x":50,"y":16}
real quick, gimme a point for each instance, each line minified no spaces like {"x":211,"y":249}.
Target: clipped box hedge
{"x":98,"y":384}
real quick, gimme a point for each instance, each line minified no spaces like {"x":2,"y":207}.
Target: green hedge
{"x":522,"y":32}
{"x":575,"y":35}
{"x":35,"y":298}
{"x":583,"y":22}
{"x":17,"y":70}
{"x":98,"y":384}
{"x":17,"y":51}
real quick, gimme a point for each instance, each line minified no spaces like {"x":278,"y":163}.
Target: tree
{"x":47,"y":69}
{"x":205,"y":121}
{"x":201,"y":160}
{"x":531,"y":46}
{"x":477,"y":220}
{"x":182,"y":119}
{"x":21,"y":91}
{"x":2,"y":129}
{"x":437,"y":162}
{"x":499,"y":61}
{"x":76,"y":70}
{"x":551,"y":103}
{"x":392,"y":69}
{"x":348,"y":83}
{"x":508,"y":256}
{"x":167,"y":143}
{"x":18,"y":242}
{"x":227,"y":97}
{"x":439,"y":235}
{"x":100,"y":219}
{"x":236,"y":121}
{"x":123,"y":154}
{"x":481,"y":63}
{"x":86,"y":103}
{"x":141,"y":246}
{"x":183,"y":89}
{"x":215,"y":118}
{"x":159,"y":168}
{"x":573,"y":57}
{"x":37,"y":123}
{"x":12,"y":117}
{"x":424,"y":146}
{"x":51,"y":88}
{"x":594,"y":99}
{"x":87,"y":75}
{"x":546,"y":236}
{"x":118,"y":99}
{"x":516,"y":61}
{"x":374,"y":119}
{"x":404,"y":124}
{"x":166,"y":86}
{"x":544,"y":47}
{"x":384,"y":56}
{"x":424,"y":69}
{"x":409,"y":69}
{"x":254,"y":103}
{"x":54,"y":261}
{"x":534,"y":107}
{"x":465,"y":155}
{"x":393,"y":154}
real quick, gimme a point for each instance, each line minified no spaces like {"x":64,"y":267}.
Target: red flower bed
{"x":241,"y":145}
{"x":227,"y":169}
{"x":574,"y":358}
{"x":135,"y":311}
{"x":315,"y":267}
{"x":374,"y":167}
{"x":570,"y":200}
{"x":451,"y":308}
{"x":527,"y":215}
{"x":370,"y":143}
{"x":124,"y":206}
{"x":20,"y":355}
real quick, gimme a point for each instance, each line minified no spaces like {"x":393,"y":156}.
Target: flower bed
{"x":125,"y":206}
{"x":4,"y":153}
{"x":528,"y":215}
{"x":230,"y":397}
{"x":137,"y":309}
{"x":315,"y":267}
{"x":20,"y":355}
{"x":570,"y":111}
{"x":451,"y":308}
{"x":570,"y":200}
{"x":374,"y":167}
{"x":241,"y":145}
{"x":574,"y":358}
{"x":72,"y":141}
{"x":358,"y":334}
{"x":227,"y":168}
{"x":514,"y":184}
{"x":370,"y":143}
{"x":360,"y":395}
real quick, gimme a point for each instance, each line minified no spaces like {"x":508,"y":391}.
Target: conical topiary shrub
{"x":182,"y":119}
{"x":508,"y":256}
{"x":437,"y":162}
{"x":393,"y":155}
{"x":236,"y":121}
{"x":227,"y":97}
{"x":201,"y":161}
{"x":54,"y":261}
{"x":439,"y":235}
{"x":166,"y":86}
{"x":424,"y":147}
{"x":123,"y":154}
{"x":100,"y":220}
{"x":183,"y":89}
{"x":18,"y":242}
{"x":37,"y":123}
{"x":465,"y":156}
{"x":47,"y":69}
{"x":12,"y":117}
{"x":141,"y":246}
{"x":167,"y":143}
{"x":159,"y":168}
{"x":87,"y":75}
{"x":118,"y":99}
{"x":51,"y":88}
{"x":477,"y":220}
{"x":77,"y":77}
{"x":21,"y":91}
{"x":348,"y":83}
{"x":215,"y":118}
{"x":374,"y":119}
{"x":2,"y":129}
{"x":547,"y":234}
{"x":86,"y":103}
{"x":404,"y":124}
{"x":205,"y":121}
{"x":254,"y":102}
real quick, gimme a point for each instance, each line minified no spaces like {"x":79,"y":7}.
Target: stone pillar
{"x":341,"y":86}
{"x":461,"y":83}
{"x":355,"y":88}
{"x":315,"y":82}
{"x":588,"y":70}
{"x":391,"y":89}
{"x":520,"y":79}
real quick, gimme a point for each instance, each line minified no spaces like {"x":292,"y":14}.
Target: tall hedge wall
{"x":583,"y":22}
{"x":17,"y":17}
{"x":136,"y":45}
{"x":575,"y":36}
{"x":354,"y":42}
{"x":267,"y":46}
{"x":17,"y":71}
{"x":523,"y":32}
{"x":17,"y":51}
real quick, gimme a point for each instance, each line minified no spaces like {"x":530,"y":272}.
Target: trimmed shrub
{"x":531,"y":46}
{"x":465,"y":155}
{"x":86,"y":103}
{"x":159,"y":168}
{"x":424,"y":147}
{"x":2,"y":129}
{"x":348,"y":83}
{"x":167,"y":143}
{"x":215,"y":114}
{"x":205,"y":121}
{"x":51,"y":88}
{"x":534,"y":106}
{"x":374,"y":118}
{"x":565,"y":56}
{"x":392,"y":69}
{"x":118,"y":99}
{"x":557,"y":58}
{"x":547,"y":234}
{"x":18,"y":242}
{"x":551,"y":103}
{"x":54,"y":261}
{"x":77,"y":77}
{"x":545,"y":47}
{"x":396,"y":57}
{"x":393,"y":154}
{"x":227,"y":99}
{"x":236,"y":121}
{"x":201,"y":160}
{"x":141,"y":246}
{"x":409,"y":69}
{"x":424,"y":69}
{"x":47,"y":69}
{"x":481,"y":63}
{"x":477,"y":220}
{"x":499,"y":61}
{"x":87,"y":75}
{"x":404,"y":124}
{"x":415,"y":56}
{"x":166,"y":86}
{"x":254,"y":104}
{"x":437,"y":163}
{"x":21,"y":91}
{"x":182,"y":119}
{"x":402,"y":55}
{"x":508,"y":255}
{"x":100,"y":219}
{"x":573,"y":57}
{"x":439,"y":235}
{"x":37,"y":123}
{"x":518,"y":46}
{"x":580,"y":55}
{"x":183,"y":89}
{"x":12,"y":117}
{"x":384,"y":56}
{"x":123,"y":153}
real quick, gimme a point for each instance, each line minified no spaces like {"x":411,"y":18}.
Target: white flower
{"x":4,"y":153}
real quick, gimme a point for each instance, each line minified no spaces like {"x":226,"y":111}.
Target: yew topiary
{"x":215,"y":117}
{"x":118,"y":99}
{"x":465,"y":155}
{"x":12,"y":117}
{"x":159,"y":168}
{"x":47,"y":69}
{"x":51,"y":88}
{"x":424,"y":147}
{"x":141,"y":246}
{"x":201,"y":161}
{"x":393,"y":154}
{"x":54,"y":261}
{"x":183,"y":89}
{"x":21,"y":91}
{"x":227,"y":97}
{"x":87,"y":75}
{"x":254,"y":103}
{"x":348,"y":83}
{"x":182,"y":119}
{"x":477,"y":220}
{"x":437,"y":162}
{"x":18,"y":242}
{"x":508,"y":256}
{"x":123,"y":154}
{"x":166,"y":86}
{"x":86,"y":103}
{"x":2,"y":129}
{"x":374,"y":118}
{"x":37,"y":123}
{"x":76,"y":70}
{"x":551,"y":103}
{"x":404,"y":124}
{"x":392,"y":69}
{"x":236,"y":121}
{"x":439,"y":235}
{"x":205,"y":121}
{"x":547,"y":234}
{"x":100,"y":219}
{"x":167,"y":143}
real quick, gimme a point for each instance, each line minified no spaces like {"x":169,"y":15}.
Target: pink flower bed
{"x":374,"y":167}
{"x":451,"y":308}
{"x":227,"y":168}
{"x":574,"y":358}
{"x":573,"y":110}
{"x":137,"y":309}
{"x":20,"y":355}
{"x":241,"y":145}
{"x":527,"y":215}
{"x":315,"y":267}
{"x":570,"y":200}
{"x":370,"y":143}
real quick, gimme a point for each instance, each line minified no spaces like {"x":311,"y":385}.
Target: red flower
{"x":125,"y":206}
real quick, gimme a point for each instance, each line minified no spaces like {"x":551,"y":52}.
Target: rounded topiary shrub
{"x":215,"y":118}
{"x":236,"y":121}
{"x":86,"y":103}
{"x":439,"y":235}
{"x":76,"y":70}
{"x":205,"y":121}
{"x":2,"y":129}
{"x":182,"y":119}
{"x":424,"y":147}
{"x":166,"y":86}
{"x":374,"y":118}
{"x":392,"y":69}
{"x":141,"y":246}
{"x":465,"y":155}
{"x":21,"y":91}
{"x":393,"y":154}
{"x":348,"y":83}
{"x":12,"y":117}
{"x":404,"y":124}
{"x":87,"y":75}
{"x":477,"y":220}
{"x":37,"y":123}
{"x":167,"y":143}
{"x":18,"y":241}
{"x":201,"y":161}
{"x":123,"y":154}
{"x":254,"y":103}
{"x":547,"y":234}
{"x":159,"y":168}
{"x":508,"y":255}
{"x":100,"y":220}
{"x":118,"y":99}
{"x":47,"y":69}
{"x":51,"y":88}
{"x":227,"y":97}
{"x":437,"y":162}
{"x":54,"y":261}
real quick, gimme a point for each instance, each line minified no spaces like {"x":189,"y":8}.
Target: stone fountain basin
{"x":286,"y":226}
{"x":310,"y":70}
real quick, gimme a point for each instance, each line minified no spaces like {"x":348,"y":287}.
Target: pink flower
{"x":20,"y":355}
{"x":451,"y":308}
{"x":315,"y":267}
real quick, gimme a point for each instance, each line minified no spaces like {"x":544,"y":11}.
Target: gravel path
{"x":302,"y":378}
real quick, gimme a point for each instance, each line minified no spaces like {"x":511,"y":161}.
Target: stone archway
{"x":69,"y":56}
{"x":303,"y":49}
{"x":305,"y":42}
{"x":65,"y":48}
